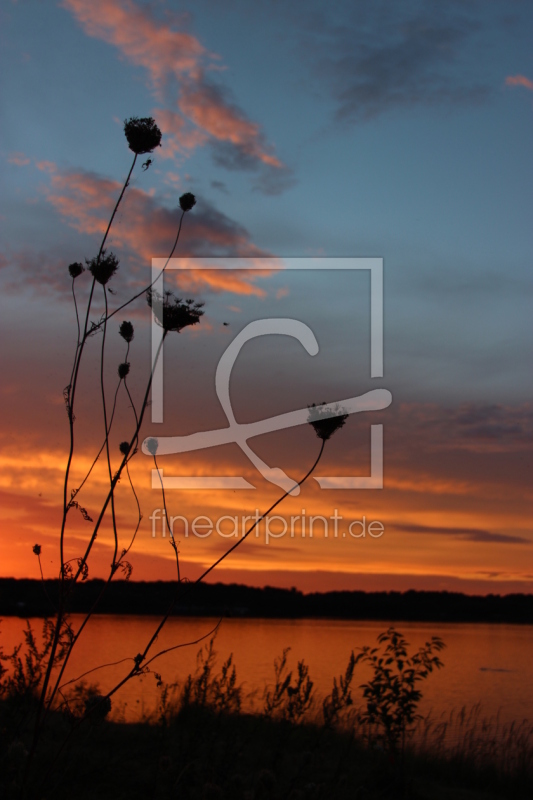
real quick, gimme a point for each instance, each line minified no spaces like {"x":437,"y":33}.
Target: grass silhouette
{"x":199,"y":743}
{"x":42,"y":673}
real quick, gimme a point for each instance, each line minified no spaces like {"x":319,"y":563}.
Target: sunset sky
{"x":400,"y":131}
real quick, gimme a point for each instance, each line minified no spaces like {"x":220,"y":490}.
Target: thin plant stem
{"x":129,"y":658}
{"x":132,"y":447}
{"x":43,"y":583}
{"x":82,"y":719}
{"x":77,"y":361}
{"x":107,"y":431}
{"x":143,"y":291}
{"x":82,"y":561}
{"x":256,"y":523}
{"x":86,"y":478}
{"x":139,"y":659}
{"x":70,"y":397}
{"x":139,"y":515}
{"x":171,"y":533}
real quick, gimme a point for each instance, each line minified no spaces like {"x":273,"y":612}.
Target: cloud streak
{"x":179,"y":65}
{"x":466,"y":534}
{"x":147,"y":229}
{"x":519,"y":80}
{"x":405,"y":57}
{"x":19,"y":159}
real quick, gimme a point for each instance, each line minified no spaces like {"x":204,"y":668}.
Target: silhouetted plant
{"x":173,"y":314}
{"x":28,"y":661}
{"x":187,"y":201}
{"x":392,"y":695}
{"x":289,"y":699}
{"x":87,"y":700}
{"x":341,"y":696}
{"x":102,"y":267}
{"x":325,"y":422}
{"x":207,"y":689}
{"x":142,"y":134}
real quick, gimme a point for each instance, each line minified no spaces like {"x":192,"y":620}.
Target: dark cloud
{"x":494,"y":422}
{"x":475,"y":426}
{"x":389,"y":56}
{"x":274,"y":182}
{"x":270,"y":180}
{"x":220,"y":185}
{"x":41,"y":271}
{"x":466,"y":534}
{"x":237,"y":144}
{"x":232,"y":157}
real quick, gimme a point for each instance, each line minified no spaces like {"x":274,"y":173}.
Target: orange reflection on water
{"x":483,"y":663}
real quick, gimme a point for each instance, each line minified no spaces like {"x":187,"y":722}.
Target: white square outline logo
{"x":373,"y":400}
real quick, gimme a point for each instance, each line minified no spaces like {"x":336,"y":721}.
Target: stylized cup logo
{"x":240,"y":434}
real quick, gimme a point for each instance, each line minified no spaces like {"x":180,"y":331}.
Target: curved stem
{"x":256,"y":523}
{"x":111,"y":664}
{"x":139,"y":659}
{"x":99,"y":453}
{"x":171,"y":534}
{"x":143,"y":291}
{"x":139,"y":515}
{"x":83,"y":561}
{"x":70,"y":396}
{"x":107,"y":431}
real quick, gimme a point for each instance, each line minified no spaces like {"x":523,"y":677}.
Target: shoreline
{"x":29,"y":598}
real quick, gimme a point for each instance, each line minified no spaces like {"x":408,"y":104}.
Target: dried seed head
{"x":151,"y":445}
{"x":173,"y":313}
{"x":124,"y":448}
{"x":75,"y":269}
{"x":37,"y":549}
{"x":126,"y":331}
{"x":325,"y":422}
{"x":142,"y":134}
{"x":123,"y":369}
{"x":103,"y":268}
{"x":187,"y":201}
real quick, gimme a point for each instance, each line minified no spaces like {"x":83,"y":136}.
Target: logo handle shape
{"x":240,"y":433}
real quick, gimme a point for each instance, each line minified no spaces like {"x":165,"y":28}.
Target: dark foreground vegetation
{"x":200,"y":745}
{"x":204,"y":754}
{"x":30,"y":598}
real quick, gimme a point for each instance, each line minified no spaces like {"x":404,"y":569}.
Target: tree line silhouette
{"x":34,"y":598}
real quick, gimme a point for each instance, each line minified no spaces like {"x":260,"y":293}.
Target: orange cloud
{"x":172,"y":57}
{"x":86,"y":200}
{"x":519,"y":80}
{"x":458,"y":532}
{"x":177,"y":137}
{"x":19,"y":159}
{"x":141,"y":38}
{"x":46,"y":166}
{"x":148,"y":229}
{"x":208,"y":110}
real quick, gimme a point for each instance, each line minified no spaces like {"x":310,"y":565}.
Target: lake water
{"x":488,"y":664}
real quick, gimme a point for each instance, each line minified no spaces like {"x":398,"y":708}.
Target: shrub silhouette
{"x":341,"y":696}
{"x":207,"y":689}
{"x":289,"y":699}
{"x":391,"y":694}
